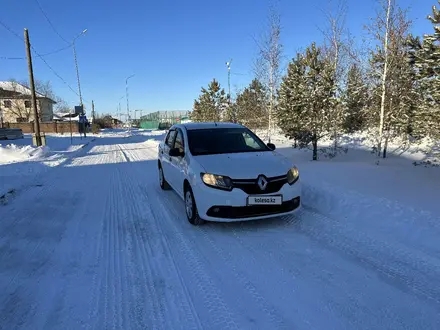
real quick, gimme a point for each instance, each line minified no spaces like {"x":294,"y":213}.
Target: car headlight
{"x":217,"y":181}
{"x":292,"y":175}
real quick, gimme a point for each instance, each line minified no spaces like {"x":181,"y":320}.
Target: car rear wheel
{"x":191,"y":208}
{"x":163,"y":183}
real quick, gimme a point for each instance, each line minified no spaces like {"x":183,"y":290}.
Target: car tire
{"x":163,"y":183}
{"x":191,"y":208}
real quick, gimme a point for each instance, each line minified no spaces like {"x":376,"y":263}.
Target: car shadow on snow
{"x":262,"y":225}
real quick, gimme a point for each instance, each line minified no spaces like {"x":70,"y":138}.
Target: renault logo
{"x":262,"y":182}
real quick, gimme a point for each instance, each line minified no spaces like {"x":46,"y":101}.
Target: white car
{"x":224,"y":172}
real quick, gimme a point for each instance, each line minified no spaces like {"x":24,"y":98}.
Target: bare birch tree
{"x":268,"y":63}
{"x":392,"y":78}
{"x":389,"y":8}
{"x":336,"y":48}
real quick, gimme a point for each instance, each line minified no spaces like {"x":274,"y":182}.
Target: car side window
{"x":169,"y":141}
{"x":179,"y":141}
{"x":250,"y":141}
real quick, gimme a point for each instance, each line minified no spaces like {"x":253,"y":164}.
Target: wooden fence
{"x":52,"y":127}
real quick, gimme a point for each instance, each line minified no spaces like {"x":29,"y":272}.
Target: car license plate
{"x":265,"y":200}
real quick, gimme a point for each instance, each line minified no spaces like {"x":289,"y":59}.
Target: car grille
{"x":242,"y":212}
{"x":251,"y":186}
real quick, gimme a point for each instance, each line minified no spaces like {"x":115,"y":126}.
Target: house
{"x":16,"y":104}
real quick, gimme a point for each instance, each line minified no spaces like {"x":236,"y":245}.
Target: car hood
{"x":246,"y":165}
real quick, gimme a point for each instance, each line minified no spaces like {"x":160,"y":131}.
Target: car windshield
{"x":224,"y":141}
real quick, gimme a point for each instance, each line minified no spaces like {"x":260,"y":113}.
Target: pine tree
{"x":251,"y":106}
{"x":307,"y":97}
{"x":211,"y":104}
{"x":354,"y":98}
{"x":425,"y":57}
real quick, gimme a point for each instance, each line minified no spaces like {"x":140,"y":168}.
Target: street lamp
{"x":76,"y":65}
{"x":126,"y":95}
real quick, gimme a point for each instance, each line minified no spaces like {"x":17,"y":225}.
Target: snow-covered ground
{"x":97,"y":244}
{"x":21,"y":163}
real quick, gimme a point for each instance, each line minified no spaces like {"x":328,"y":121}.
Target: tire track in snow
{"x":400,"y":267}
{"x":248,"y":286}
{"x":278,"y":251}
{"x":190,"y":320}
{"x":148,"y":257}
{"x":102,"y":311}
{"x":221,"y":315}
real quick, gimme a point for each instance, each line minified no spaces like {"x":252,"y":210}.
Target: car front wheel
{"x":163,"y":183}
{"x":191,"y":208}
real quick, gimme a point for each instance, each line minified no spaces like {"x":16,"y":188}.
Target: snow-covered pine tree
{"x":355,"y":99}
{"x":425,"y":56}
{"x":251,"y":106}
{"x":211,"y":104}
{"x":307,"y":97}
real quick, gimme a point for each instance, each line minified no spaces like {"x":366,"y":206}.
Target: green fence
{"x":163,"y":124}
{"x":150,"y":124}
{"x":163,"y":119}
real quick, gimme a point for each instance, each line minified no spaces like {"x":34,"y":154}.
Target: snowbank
{"x":13,"y":153}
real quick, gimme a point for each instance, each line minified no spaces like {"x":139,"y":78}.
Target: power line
{"x":11,"y":58}
{"x":22,"y":40}
{"x":54,"y":72}
{"x":50,"y":22}
{"x":57,"y":51}
{"x":42,"y":58}
{"x":10,"y":30}
{"x":42,"y":55}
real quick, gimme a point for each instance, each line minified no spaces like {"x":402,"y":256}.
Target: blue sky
{"x":173,"y":47}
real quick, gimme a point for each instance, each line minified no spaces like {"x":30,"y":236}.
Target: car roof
{"x":210,"y":125}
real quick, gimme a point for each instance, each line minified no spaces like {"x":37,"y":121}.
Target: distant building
{"x":16,"y":104}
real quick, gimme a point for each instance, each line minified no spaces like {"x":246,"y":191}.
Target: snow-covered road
{"x":97,"y":244}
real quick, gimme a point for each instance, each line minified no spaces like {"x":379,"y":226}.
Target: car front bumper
{"x":228,"y":206}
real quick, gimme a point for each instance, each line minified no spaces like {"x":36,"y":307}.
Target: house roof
{"x":63,"y":116}
{"x":18,"y":90}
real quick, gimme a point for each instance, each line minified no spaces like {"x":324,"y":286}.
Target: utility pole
{"x":228,"y":64}
{"x":70,"y":126}
{"x":93,"y":111}
{"x":32,"y":85}
{"x":126,"y":95}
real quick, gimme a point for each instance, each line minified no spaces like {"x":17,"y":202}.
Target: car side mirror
{"x":271,"y":146}
{"x":175,"y":152}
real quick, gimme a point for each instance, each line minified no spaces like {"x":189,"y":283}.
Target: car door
{"x":165,"y":155}
{"x":178,"y":164}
